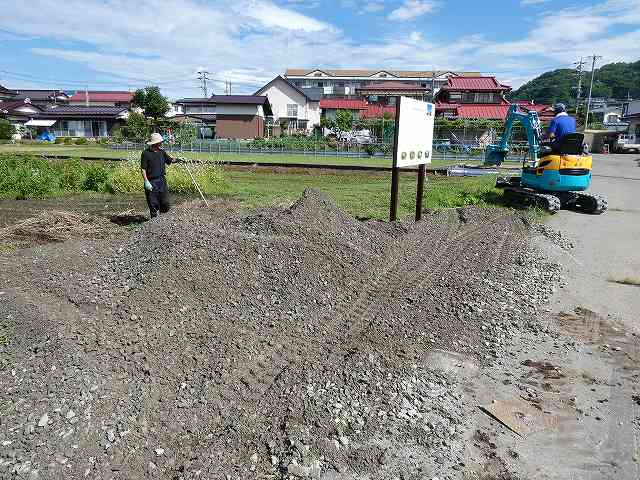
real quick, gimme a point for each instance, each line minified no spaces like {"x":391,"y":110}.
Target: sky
{"x":118,"y":44}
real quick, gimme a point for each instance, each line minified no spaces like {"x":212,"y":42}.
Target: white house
{"x":299,"y":108}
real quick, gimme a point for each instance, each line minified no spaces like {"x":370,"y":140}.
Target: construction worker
{"x":152,"y":163}
{"x":561,"y":125}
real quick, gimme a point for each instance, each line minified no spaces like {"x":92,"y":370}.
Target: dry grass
{"x":55,"y":226}
{"x":626,"y":281}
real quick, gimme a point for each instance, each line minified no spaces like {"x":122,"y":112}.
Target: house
{"x":95,"y":98}
{"x":631,"y":114}
{"x":229,"y":116}
{"x":330,"y":107}
{"x":346,"y":82}
{"x":82,"y":121}
{"x":545,"y":112}
{"x":18,"y":112}
{"x":42,"y":98}
{"x":473,"y":98}
{"x":6,"y":94}
{"x":386,"y":93}
{"x":293,"y":107}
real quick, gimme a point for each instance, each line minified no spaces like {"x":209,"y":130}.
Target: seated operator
{"x":561,"y":126}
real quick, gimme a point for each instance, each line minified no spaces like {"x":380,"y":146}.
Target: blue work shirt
{"x":562,"y":125}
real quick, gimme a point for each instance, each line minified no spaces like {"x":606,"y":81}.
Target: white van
{"x":627,"y":142}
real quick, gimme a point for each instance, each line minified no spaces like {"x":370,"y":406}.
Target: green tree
{"x":137,"y":128}
{"x":344,"y":120}
{"x":151,"y":101}
{"x":6,"y":129}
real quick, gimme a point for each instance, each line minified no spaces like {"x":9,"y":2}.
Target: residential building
{"x":82,"y":121}
{"x":293,"y":107}
{"x":631,"y":114}
{"x":18,"y":112}
{"x":472,"y":97}
{"x":94,"y":98}
{"x":229,"y":116}
{"x":330,"y":107}
{"x":42,"y":98}
{"x":6,"y":94}
{"x":386,"y":93}
{"x":346,"y":82}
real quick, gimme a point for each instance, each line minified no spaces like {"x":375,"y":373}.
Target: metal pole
{"x":196,"y":184}
{"x":422,"y":169}
{"x":593,"y":71}
{"x":395,"y":174}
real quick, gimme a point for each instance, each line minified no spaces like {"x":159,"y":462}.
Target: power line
{"x":203,"y":77}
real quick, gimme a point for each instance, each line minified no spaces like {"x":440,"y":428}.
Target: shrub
{"x":210,"y":178}
{"x":59,"y":140}
{"x":68,"y":141}
{"x":32,"y":178}
{"x":81,"y":141}
{"x":71,"y":175}
{"x":6,"y":129}
{"x":125,"y":178}
{"x":96,"y":176}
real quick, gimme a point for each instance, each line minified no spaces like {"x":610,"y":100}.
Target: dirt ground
{"x":301,"y":343}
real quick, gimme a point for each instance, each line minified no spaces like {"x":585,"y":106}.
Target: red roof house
{"x":473,"y":97}
{"x":101,"y":98}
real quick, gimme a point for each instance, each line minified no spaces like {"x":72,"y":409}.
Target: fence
{"x":443,"y":150}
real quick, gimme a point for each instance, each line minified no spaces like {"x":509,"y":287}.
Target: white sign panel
{"x":415,"y":132}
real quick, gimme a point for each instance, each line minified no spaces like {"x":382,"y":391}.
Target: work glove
{"x":148,"y":186}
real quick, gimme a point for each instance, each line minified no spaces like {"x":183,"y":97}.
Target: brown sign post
{"x":420,"y":156}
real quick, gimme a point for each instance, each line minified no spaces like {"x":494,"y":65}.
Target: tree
{"x":151,"y":101}
{"x":137,"y":127}
{"x":6,"y":129}
{"x":344,"y":120}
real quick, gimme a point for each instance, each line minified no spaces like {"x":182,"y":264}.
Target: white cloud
{"x":532,"y":2}
{"x":373,"y":7}
{"x":411,"y":9}
{"x":250,"y":41}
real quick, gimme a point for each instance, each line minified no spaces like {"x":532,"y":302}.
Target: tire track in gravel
{"x":402,"y":268}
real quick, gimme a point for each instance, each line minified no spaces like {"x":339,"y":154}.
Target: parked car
{"x":627,"y":142}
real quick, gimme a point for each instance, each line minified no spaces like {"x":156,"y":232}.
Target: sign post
{"x":413,"y":144}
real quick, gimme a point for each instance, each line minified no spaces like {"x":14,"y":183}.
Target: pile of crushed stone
{"x":282,"y":343}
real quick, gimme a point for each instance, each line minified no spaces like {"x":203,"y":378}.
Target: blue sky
{"x":118,"y":44}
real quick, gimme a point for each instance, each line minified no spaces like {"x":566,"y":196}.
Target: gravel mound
{"x":290,"y":343}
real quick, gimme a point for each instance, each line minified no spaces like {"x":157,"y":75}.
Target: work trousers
{"x":158,"y":201}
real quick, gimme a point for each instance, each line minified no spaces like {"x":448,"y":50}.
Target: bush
{"x":29,"y":178}
{"x":96,"y":176}
{"x":82,"y":141}
{"x":68,"y":141}
{"x":125,"y":178}
{"x":103,"y":141}
{"x":59,"y":140}
{"x":6,"y":129}
{"x":71,"y":175}
{"x":210,"y":178}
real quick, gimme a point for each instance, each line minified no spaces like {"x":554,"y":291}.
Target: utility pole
{"x":579,"y":64}
{"x":203,"y":77}
{"x":594,"y":58}
{"x":86,"y":96}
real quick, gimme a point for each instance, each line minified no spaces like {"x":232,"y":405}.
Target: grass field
{"x":103,"y":152}
{"x":363,"y":195}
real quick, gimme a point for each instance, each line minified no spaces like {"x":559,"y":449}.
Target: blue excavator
{"x":553,"y":177}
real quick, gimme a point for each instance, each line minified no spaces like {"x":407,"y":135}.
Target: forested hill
{"x":615,"y":80}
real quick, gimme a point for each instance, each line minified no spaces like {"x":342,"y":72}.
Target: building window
{"x":320,"y":84}
{"x":455,"y":96}
{"x":483,"y":97}
{"x":292,"y":110}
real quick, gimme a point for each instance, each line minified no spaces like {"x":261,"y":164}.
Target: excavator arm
{"x":495,"y":154}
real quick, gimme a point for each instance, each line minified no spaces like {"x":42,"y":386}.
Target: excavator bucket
{"x":494,"y":155}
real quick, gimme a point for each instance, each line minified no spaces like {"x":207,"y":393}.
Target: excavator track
{"x":590,"y":203}
{"x":519,"y":195}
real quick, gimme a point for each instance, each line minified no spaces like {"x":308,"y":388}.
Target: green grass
{"x":363,"y":195}
{"x":103,"y":152}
